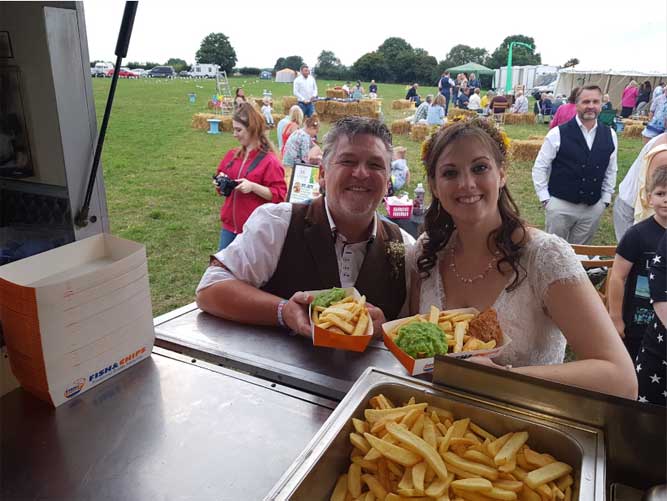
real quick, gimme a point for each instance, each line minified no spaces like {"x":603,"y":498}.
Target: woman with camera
{"x":248,"y":176}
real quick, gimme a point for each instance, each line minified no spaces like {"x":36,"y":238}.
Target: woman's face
{"x":312,"y":131}
{"x":241,"y":133}
{"x":467,"y":182}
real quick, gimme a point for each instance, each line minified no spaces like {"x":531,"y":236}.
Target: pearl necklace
{"x":470,"y":280}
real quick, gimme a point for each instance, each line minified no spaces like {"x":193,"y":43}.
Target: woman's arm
{"x":619,"y":274}
{"x":603,"y":364}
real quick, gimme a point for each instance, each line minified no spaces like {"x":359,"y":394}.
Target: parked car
{"x":101,"y":69}
{"x":140,"y":72}
{"x":162,"y":72}
{"x":184,"y":73}
{"x":123,"y":73}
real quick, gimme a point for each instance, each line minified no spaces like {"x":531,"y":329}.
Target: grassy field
{"x":157,"y":171}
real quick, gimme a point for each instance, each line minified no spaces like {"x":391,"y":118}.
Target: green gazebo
{"x":475,"y":68}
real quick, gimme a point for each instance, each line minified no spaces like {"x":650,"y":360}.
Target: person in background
{"x":643,"y":97}
{"x":346,"y":88}
{"x":486,"y":100}
{"x":305,"y":90}
{"x":436,"y":112}
{"x":445,"y":86}
{"x":373,"y":90}
{"x":294,"y":124}
{"x":651,"y":364}
{"x":254,"y":167}
{"x":628,"y":191}
{"x":520,"y":104}
{"x":473,"y":82}
{"x":239,"y":97}
{"x":606,"y":103}
{"x":412,"y":94}
{"x":629,"y":99}
{"x":478,"y":252}
{"x":267,"y":111}
{"x":300,"y":143}
{"x":400,"y":173}
{"x":661,"y":86}
{"x":421,"y":114}
{"x":475,"y":103}
{"x":545,"y":105}
{"x":557,"y":102}
{"x":629,"y":303}
{"x":357,"y":91}
{"x":337,"y":240}
{"x":462,"y":100}
{"x":498,"y":104}
{"x":657,"y":117}
{"x":575,"y":171}
{"x":280,"y":128}
{"x":567,"y":111}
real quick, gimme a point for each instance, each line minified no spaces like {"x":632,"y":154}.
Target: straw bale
{"x":277,"y":117}
{"x":402,"y":104}
{"x":199,"y":120}
{"x":537,"y":138}
{"x":352,"y":109}
{"x":419,"y":132}
{"x":457,"y":112}
{"x":366,"y":107}
{"x":633,"y":130}
{"x":321,"y":107}
{"x":226,"y":124}
{"x":401,"y":127}
{"x":519,"y":118}
{"x":632,"y":121}
{"x":525,"y":150}
{"x":288,"y":102}
{"x":340,"y":93}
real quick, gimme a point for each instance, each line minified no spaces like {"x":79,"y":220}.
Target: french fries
{"x":348,"y":316}
{"x":414,"y":451}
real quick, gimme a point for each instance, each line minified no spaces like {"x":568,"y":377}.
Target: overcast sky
{"x":601,"y":34}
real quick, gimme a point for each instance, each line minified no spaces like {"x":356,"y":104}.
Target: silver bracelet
{"x":281,"y":320}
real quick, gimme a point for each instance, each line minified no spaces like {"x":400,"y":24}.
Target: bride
{"x":477,"y":252}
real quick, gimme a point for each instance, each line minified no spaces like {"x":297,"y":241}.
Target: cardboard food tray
{"x":423,"y":365}
{"x":323,"y":337}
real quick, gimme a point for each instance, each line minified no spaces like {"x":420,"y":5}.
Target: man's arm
{"x":297,"y":90}
{"x":542,"y":166}
{"x":609,"y":181}
{"x":314,"y":88}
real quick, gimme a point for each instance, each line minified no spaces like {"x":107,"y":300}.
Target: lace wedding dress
{"x":536,"y":340}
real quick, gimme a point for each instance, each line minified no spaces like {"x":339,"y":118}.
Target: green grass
{"x":157,"y":171}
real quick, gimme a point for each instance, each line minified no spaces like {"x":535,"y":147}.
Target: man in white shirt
{"x":305,"y":90}
{"x":575,"y":171}
{"x":336,"y":241}
{"x":521,"y":103}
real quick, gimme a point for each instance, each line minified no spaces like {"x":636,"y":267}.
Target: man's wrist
{"x":280,"y":313}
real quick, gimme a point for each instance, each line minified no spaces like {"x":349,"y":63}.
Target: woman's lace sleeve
{"x":552,"y":260}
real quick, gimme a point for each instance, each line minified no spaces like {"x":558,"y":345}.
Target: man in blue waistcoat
{"x":575,"y":172}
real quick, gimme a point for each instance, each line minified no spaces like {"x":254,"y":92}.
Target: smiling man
{"x":336,"y":241}
{"x":575,"y":171}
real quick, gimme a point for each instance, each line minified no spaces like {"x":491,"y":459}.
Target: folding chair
{"x":499,"y":112}
{"x":598,"y":256}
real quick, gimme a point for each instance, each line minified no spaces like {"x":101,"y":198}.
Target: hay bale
{"x":525,"y":150}
{"x":366,"y":107}
{"x":519,"y":118}
{"x":537,"y":138}
{"x":226,"y":123}
{"x":288,"y":102}
{"x":632,"y":121}
{"x":458,"y":112}
{"x":277,"y":117}
{"x":419,"y":132}
{"x":339,"y":93}
{"x":633,"y":130}
{"x":321,"y":107}
{"x":402,"y":104}
{"x":401,"y":127}
{"x":352,"y":109}
{"x":199,"y":120}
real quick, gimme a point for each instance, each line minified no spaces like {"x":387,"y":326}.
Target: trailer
{"x":204,"y":70}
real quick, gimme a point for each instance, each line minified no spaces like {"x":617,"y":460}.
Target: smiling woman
{"x":477,"y":252}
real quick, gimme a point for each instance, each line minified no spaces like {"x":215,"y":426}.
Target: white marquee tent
{"x":611,"y":82}
{"x":285,"y":75}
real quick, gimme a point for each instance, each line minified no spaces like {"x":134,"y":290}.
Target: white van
{"x":102,"y":68}
{"x":204,"y":70}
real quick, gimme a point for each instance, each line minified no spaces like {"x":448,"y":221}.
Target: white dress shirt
{"x":549,"y":150}
{"x":254,"y":254}
{"x":305,"y":89}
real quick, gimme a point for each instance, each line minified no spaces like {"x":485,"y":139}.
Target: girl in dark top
{"x":643,"y":97}
{"x":629,"y":299}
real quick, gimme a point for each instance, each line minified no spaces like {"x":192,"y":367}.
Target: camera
{"x":225,"y":184}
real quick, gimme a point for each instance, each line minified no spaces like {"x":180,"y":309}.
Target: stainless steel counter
{"x":269,"y":353}
{"x":164,"y":429}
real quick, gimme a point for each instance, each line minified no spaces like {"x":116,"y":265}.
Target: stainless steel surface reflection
{"x":164,"y":429}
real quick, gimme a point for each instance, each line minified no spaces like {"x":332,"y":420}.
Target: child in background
{"x":400,"y":174}
{"x":267,"y":112}
{"x":629,"y":302}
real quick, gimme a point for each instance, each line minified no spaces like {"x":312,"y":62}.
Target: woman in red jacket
{"x":257,"y":174}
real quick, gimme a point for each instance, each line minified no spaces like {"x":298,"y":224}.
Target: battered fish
{"x":485,"y":327}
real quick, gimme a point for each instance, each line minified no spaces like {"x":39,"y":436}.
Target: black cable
{"x":122,"y":45}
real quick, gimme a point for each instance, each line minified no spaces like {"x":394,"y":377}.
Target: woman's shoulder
{"x":540,"y":241}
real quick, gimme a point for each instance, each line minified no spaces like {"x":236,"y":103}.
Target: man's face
{"x":589,"y":105}
{"x":305,"y":71}
{"x":356,"y":178}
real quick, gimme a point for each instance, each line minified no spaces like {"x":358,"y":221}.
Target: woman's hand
{"x":378,"y":318}
{"x":245,"y":186}
{"x":295,"y":313}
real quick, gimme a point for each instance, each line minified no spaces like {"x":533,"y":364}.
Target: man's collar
{"x":582,"y":126}
{"x":334,"y":230}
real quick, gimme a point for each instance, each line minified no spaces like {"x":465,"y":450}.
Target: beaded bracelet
{"x":281,"y":320}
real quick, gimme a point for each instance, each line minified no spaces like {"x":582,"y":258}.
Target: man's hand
{"x":620,"y":326}
{"x":245,"y":186}
{"x":378,"y":318}
{"x":545,"y":203}
{"x":295,"y":313}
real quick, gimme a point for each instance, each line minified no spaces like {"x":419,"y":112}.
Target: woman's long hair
{"x":438,"y":223}
{"x":251,"y":119}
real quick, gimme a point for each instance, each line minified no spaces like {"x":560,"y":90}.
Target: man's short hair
{"x":351,"y":127}
{"x":587,"y":87}
{"x":303,"y":66}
